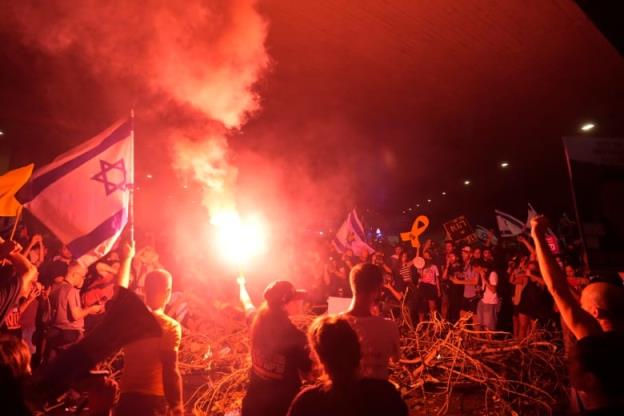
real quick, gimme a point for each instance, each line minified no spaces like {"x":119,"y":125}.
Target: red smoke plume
{"x":202,"y":56}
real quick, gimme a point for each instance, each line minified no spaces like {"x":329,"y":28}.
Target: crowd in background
{"x":517,"y":285}
{"x":499,"y":284}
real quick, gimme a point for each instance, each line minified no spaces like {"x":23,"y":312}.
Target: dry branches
{"x":446,"y":368}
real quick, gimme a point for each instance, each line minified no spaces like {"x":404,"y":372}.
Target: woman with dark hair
{"x":14,"y":369}
{"x":279,"y":354}
{"x":343,"y":393}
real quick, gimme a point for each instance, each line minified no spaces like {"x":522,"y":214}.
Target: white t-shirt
{"x":430,"y":275}
{"x":489,"y":296}
{"x":379,"y":341}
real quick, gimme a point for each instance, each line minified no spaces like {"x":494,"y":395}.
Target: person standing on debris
{"x":279,"y":353}
{"x":378,"y":336}
{"x":151,"y":380}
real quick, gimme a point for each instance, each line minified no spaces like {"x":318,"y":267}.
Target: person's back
{"x":142,"y":359}
{"x":337,"y":349}
{"x":368,"y":397}
{"x":151,"y":380}
{"x":379,"y":340}
{"x":62,"y":296}
{"x":596,"y":369}
{"x":279,"y":354}
{"x":379,"y":337}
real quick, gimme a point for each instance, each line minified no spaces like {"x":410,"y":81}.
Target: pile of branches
{"x":221,"y":357}
{"x":443,"y":361}
{"x":442,"y":364}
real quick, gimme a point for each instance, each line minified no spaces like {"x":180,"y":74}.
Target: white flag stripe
{"x":350,"y":236}
{"x":83,"y":195}
{"x":56,"y":201}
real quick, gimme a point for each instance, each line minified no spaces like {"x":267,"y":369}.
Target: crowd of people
{"x":344,"y":359}
{"x":64,"y":301}
{"x":354,"y":348}
{"x":499,"y":286}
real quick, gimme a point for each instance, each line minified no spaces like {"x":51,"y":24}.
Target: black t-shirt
{"x":279,"y":352}
{"x":367,"y":397}
{"x":10,"y":288}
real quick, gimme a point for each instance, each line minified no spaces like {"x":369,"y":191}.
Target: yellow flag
{"x":10,"y":183}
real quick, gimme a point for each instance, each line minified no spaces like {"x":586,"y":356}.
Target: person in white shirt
{"x":379,"y":337}
{"x":429,"y":287}
{"x":487,"y":309}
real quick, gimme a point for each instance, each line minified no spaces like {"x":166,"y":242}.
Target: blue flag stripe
{"x":356,"y":227}
{"x":42,"y":182}
{"x":83,"y":244}
{"x":341,"y":248}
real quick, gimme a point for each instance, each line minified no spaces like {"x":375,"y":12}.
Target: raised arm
{"x":127,"y":254}
{"x":580,"y":322}
{"x":528,"y":246}
{"x":24,"y":270}
{"x":35,"y":291}
{"x":244,"y":295}
{"x":395,"y":293}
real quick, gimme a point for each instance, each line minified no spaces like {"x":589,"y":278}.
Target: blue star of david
{"x":102,"y":176}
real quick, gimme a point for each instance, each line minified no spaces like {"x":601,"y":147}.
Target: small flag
{"x":83,"y":195}
{"x":10,"y":183}
{"x":350,"y":235}
{"x":531,"y":214}
{"x":483,"y":234}
{"x":508,"y":225}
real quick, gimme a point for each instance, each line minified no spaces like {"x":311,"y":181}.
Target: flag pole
{"x":17,"y":219}
{"x":131,"y":189}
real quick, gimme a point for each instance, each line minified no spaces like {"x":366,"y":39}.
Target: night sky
{"x":379,"y":105}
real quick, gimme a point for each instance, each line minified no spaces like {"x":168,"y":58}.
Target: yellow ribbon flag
{"x":10,"y":183}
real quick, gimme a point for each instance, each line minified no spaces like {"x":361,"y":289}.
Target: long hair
{"x":267,"y":325}
{"x":14,"y":369}
{"x":336,"y":348}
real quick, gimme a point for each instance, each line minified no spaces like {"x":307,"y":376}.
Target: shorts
{"x":488,"y":315}
{"x":428,"y":291}
{"x":470,"y":304}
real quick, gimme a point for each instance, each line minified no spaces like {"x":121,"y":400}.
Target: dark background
{"x":376,"y":104}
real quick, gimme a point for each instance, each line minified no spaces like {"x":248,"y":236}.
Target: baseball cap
{"x":280,"y":292}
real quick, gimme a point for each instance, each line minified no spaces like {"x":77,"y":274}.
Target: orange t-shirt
{"x":142,"y":363}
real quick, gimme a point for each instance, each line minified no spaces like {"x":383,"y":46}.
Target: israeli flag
{"x":83,"y":195}
{"x":351,"y":235}
{"x":508,"y":225}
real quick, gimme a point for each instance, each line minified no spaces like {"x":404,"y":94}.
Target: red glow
{"x":239,"y":239}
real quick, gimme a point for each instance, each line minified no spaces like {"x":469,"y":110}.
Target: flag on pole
{"x":508,"y":225}
{"x":10,"y":183}
{"x":351,"y":235}
{"x":531,"y":214}
{"x":483,"y":234}
{"x":83,"y":195}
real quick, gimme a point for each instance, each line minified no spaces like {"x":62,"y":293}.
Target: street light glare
{"x":466,"y":182}
{"x":588,"y":126}
{"x":504,"y":164}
